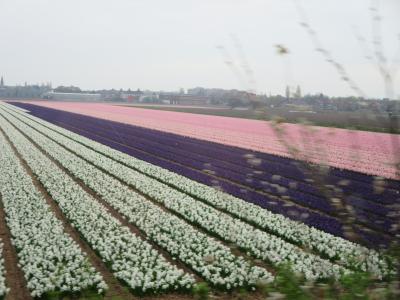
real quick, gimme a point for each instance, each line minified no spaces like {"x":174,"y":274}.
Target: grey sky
{"x":168,"y":44}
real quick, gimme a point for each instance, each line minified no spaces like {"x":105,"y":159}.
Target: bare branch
{"x":304,"y":22}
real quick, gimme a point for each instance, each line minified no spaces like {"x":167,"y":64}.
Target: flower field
{"x":96,"y":206}
{"x":272,"y":182}
{"x":366,"y":152}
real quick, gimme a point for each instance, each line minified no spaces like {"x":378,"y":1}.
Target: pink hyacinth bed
{"x":366,"y":152}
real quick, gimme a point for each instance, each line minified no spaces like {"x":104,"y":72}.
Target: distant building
{"x":132,"y":96}
{"x":72,"y":96}
{"x":185,"y":99}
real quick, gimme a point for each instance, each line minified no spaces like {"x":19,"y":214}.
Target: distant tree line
{"x":231,"y":98}
{"x":24,"y":92}
{"x":67,"y":89}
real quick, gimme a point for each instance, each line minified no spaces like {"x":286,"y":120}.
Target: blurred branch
{"x":396,"y":59}
{"x":304,"y":22}
{"x":364,"y":46}
{"x":378,"y":49}
{"x":244,"y":64}
{"x":230,"y":62}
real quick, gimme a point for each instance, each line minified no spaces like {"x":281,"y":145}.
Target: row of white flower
{"x":258,"y":243}
{"x":3,"y":287}
{"x":208,"y":257}
{"x":49,"y":258}
{"x":15,"y":108}
{"x":341,"y":250}
{"x":131,"y":259}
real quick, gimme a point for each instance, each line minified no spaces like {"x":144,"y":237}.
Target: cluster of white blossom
{"x":256,"y":242}
{"x":3,"y":287}
{"x":208,"y":257}
{"x":131,"y":259}
{"x":340,"y":250}
{"x":50,"y":259}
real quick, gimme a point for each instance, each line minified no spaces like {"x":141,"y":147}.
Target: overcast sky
{"x":169,"y":44}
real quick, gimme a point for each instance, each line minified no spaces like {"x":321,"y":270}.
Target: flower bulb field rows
{"x":181,"y":198}
{"x":131,"y":259}
{"x":208,"y":218}
{"x":275,"y":183}
{"x":35,"y":229}
{"x":253,"y":214}
{"x":152,"y":220}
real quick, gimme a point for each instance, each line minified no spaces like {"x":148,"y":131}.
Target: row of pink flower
{"x":367,"y":152}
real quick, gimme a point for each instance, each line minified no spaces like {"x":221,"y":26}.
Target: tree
{"x":67,"y":89}
{"x":287,"y":92}
{"x":298,"y":92}
{"x":234,"y":102}
{"x":2,"y":81}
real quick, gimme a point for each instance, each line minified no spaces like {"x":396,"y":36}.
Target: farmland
{"x":339,"y":148}
{"x":115,"y":202}
{"x":368,"y":121}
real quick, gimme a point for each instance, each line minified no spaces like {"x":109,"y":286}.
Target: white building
{"x":72,"y":96}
